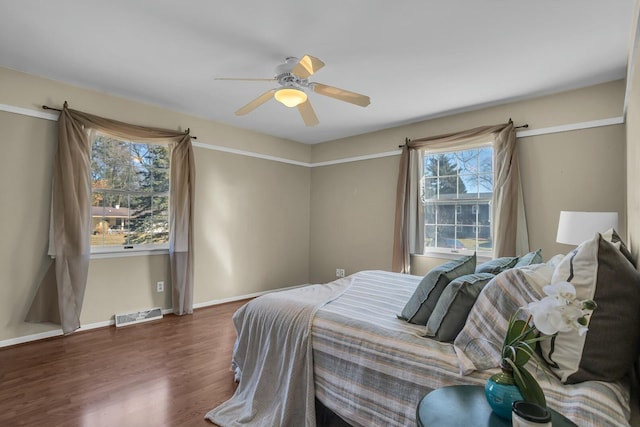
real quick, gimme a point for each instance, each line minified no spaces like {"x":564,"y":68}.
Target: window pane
{"x":431,"y":165}
{"x":109,"y":219}
{"x":446,"y":214}
{"x":469,"y":187}
{"x":111,"y":164}
{"x":430,"y":236}
{"x":466,"y":215}
{"x":447,"y":164}
{"x":446,"y":237}
{"x":466,"y":236}
{"x":486,"y":184}
{"x":160,"y":219}
{"x":484,"y":239}
{"x":457,"y":190}
{"x":448,"y":187}
{"x":130,"y":182}
{"x":467,"y":161}
{"x":484,"y":214}
{"x":160,"y":180}
{"x":430,"y":214}
{"x":485,"y":159}
{"x":430,"y":189}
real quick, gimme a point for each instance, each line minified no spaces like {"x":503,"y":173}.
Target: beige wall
{"x":352,"y":214}
{"x":576,"y":170}
{"x":633,"y":149}
{"x":252,"y":216}
{"x":262,"y":224}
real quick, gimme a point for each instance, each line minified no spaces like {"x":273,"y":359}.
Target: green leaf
{"x":520,"y":341}
{"x":529,"y":387}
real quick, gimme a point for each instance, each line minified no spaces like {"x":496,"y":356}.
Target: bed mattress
{"x":372,"y":368}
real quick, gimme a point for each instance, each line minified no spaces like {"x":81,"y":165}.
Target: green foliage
{"x":518,"y":348}
{"x":133,"y":176}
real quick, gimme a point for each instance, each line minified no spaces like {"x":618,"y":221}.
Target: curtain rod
{"x":526,"y":125}
{"x":46,"y":107}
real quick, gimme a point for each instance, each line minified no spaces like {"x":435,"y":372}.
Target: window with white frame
{"x":130,"y":194}
{"x":456,"y":192}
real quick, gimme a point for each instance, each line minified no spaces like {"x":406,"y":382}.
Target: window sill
{"x":121,"y":253}
{"x":481,"y":256}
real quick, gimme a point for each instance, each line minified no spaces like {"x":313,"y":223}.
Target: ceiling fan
{"x":293,"y":78}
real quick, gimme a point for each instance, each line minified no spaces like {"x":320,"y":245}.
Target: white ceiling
{"x":416,"y":59}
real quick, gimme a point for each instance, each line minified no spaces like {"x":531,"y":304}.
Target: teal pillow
{"x":534,"y":257}
{"x":424,"y":299}
{"x":455,"y":303}
{"x":497,"y":265}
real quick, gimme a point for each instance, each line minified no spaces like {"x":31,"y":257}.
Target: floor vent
{"x":138,"y":317}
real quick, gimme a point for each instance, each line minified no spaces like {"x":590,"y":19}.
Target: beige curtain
{"x":509,"y":228}
{"x":61,"y":292}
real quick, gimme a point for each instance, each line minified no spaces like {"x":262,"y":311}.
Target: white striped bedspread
{"x":372,"y":369}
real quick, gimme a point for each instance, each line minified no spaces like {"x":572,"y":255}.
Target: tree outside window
{"x":456,"y":195}
{"x":130,"y":189}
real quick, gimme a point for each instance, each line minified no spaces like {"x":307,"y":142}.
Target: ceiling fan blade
{"x":307,"y":66}
{"x":308,"y":115}
{"x":256,"y":103}
{"x":341,"y":94}
{"x":245,"y":80}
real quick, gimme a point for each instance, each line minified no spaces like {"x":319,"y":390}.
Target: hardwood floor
{"x":168,"y":372}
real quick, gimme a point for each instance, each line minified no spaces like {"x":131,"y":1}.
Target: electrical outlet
{"x":160,"y":286}
{"x":339,"y":272}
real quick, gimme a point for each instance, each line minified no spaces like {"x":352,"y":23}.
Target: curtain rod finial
{"x":65,"y":105}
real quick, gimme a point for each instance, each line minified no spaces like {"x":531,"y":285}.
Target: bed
{"x":353,"y":354}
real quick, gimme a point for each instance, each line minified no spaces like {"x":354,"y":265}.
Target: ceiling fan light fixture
{"x":290,"y":97}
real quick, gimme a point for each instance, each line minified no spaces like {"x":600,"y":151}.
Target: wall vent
{"x":126,"y":319}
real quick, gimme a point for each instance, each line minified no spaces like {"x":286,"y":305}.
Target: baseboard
{"x":58,"y":332}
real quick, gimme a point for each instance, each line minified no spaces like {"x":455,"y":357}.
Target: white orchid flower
{"x":552,"y":315}
{"x":545,"y":315}
{"x":561,"y":290}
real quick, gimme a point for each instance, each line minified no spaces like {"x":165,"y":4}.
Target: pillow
{"x":534,"y":257}
{"x":477,"y":346}
{"x":424,"y":299}
{"x":613,"y":237}
{"x":497,"y":265}
{"x":452,"y":309}
{"x":599,"y":271}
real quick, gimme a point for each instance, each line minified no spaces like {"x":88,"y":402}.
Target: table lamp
{"x":576,"y":227}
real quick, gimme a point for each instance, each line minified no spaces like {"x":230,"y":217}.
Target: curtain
{"x":509,"y":228}
{"x":60,"y":295}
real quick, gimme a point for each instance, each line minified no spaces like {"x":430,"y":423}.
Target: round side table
{"x":466,"y":405}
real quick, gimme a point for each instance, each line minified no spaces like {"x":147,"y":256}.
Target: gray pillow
{"x":612,"y":236}
{"x":455,"y":303}
{"x":497,"y":265}
{"x":531,"y":258}
{"x":424,"y":299}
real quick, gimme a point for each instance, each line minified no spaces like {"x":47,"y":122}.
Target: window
{"x":130,"y":194}
{"x":456,"y":192}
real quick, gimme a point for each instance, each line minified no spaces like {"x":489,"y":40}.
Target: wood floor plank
{"x":164,"y":373}
{"x":168,"y":372}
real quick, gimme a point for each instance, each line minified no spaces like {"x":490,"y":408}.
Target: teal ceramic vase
{"x":501,"y":391}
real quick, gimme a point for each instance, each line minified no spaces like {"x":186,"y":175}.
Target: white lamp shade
{"x":576,"y":227}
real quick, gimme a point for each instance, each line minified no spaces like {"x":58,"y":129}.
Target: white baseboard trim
{"x":241,"y":297}
{"x":58,"y":332}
